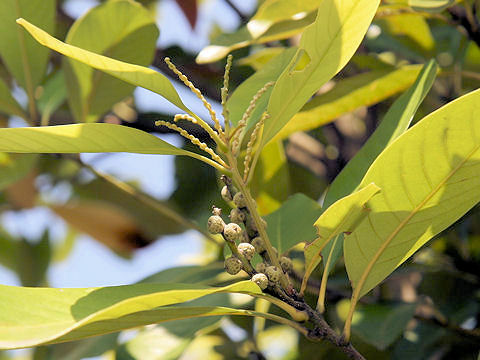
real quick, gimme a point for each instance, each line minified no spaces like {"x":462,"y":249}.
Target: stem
{"x":297,"y":315}
{"x":246,"y":264}
{"x":213,"y":134}
{"x":237,"y":179}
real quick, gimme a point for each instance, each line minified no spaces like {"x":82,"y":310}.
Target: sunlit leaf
{"x":343,"y":216}
{"x":80,"y":138}
{"x":24,"y":57}
{"x":395,"y":123}
{"x":133,"y":74}
{"x":33,"y":316}
{"x":125,"y":31}
{"x":258,"y":59}
{"x":429,"y":178}
{"x":328,"y":44}
{"x":430,"y":5}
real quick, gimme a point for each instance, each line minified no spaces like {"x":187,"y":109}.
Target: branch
{"x":462,"y":17}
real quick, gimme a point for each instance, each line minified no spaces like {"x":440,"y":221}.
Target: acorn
{"x":274,"y":273}
{"x":233,"y":265}
{"x":261,"y":280}
{"x":226,"y":194}
{"x":237,"y":216}
{"x":259,"y":244}
{"x":286,"y":264}
{"x":232,"y":232}
{"x":246,"y":250}
{"x":260,"y":268}
{"x":215,"y":224}
{"x":239,"y":200}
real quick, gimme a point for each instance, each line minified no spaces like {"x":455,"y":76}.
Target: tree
{"x":406,"y":185}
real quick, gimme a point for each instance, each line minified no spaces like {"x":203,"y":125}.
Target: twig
{"x":242,"y":17}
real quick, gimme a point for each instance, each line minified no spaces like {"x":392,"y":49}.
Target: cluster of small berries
{"x":249,"y":241}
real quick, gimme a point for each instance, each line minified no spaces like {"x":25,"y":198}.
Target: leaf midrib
{"x":404,"y":222}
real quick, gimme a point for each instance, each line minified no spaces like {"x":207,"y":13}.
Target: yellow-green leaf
{"x":34,"y":316}
{"x":24,"y":57}
{"x":348,"y":94}
{"x":343,"y":216}
{"x":274,"y":11}
{"x":328,"y":44}
{"x":79,"y":138}
{"x":429,"y":178}
{"x":134,"y":74}
{"x":125,"y":31}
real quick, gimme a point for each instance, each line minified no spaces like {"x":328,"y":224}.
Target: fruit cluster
{"x":242,"y":237}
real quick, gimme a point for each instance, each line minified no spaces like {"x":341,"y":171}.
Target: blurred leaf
{"x":63,"y":250}
{"x":125,"y":31}
{"x":22,"y":194}
{"x":14,"y":167}
{"x":343,"y":216}
{"x":395,"y":122}
{"x":293,"y":222}
{"x":379,"y":324}
{"x":25,"y":59}
{"x":429,"y":178}
{"x":133,"y":74}
{"x":349,"y":94}
{"x":226,"y":43}
{"x":32,"y":260}
{"x":411,"y":29}
{"x":47,"y":315}
{"x":430,"y":5}
{"x":81,"y":349}
{"x":8,"y":104}
{"x":153,"y":344}
{"x":150,"y":220}
{"x":193,"y":274}
{"x":328,"y":44}
{"x":189,"y":8}
{"x":8,"y":250}
{"x":260,"y":58}
{"x":271,"y":180}
{"x":53,"y":95}
{"x":274,"y":11}
{"x":106,"y":223}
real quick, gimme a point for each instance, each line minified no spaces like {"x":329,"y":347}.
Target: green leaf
{"x":193,"y":274}
{"x":258,"y":59}
{"x":271,"y":180}
{"x":80,"y":138}
{"x":429,"y":179}
{"x":34,"y":316}
{"x":292,"y":223}
{"x":25,"y":59}
{"x":395,"y":122}
{"x":53,"y":95}
{"x":130,"y":73}
{"x":241,"y":97}
{"x":343,"y":216}
{"x":348,"y":94}
{"x":379,"y":324}
{"x":226,"y":43}
{"x":274,"y":11}
{"x":328,"y":44}
{"x":125,"y":31}
{"x":8,"y":104}
{"x":15,"y":167}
